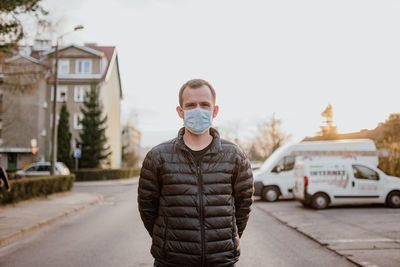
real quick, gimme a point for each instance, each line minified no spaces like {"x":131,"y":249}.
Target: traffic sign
{"x":77,"y":153}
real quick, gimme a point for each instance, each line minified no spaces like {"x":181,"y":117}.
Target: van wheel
{"x":320,"y":201}
{"x":270,"y":193}
{"x":393,"y":200}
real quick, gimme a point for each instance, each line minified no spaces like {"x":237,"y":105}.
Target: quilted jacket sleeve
{"x":243,"y":192}
{"x":149,"y":191}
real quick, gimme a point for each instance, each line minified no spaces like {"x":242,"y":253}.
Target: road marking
{"x":360,"y":240}
{"x":367,"y":264}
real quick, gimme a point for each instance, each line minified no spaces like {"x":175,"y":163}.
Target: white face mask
{"x":197,"y":120}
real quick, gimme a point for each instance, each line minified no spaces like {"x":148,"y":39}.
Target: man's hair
{"x":196,"y":83}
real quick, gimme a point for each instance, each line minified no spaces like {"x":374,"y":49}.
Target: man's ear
{"x":215,"y":111}
{"x":180,"y":112}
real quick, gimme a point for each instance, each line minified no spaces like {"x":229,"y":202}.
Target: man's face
{"x":197,"y":97}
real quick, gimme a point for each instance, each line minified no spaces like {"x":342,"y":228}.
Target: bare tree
{"x":11,"y":29}
{"x":231,"y":132}
{"x":269,"y":137}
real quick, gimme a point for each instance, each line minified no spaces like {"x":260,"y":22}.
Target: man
{"x":195,"y":191}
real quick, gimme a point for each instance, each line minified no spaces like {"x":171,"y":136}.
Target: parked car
{"x":344,"y":181}
{"x":275,"y":178}
{"x":42,"y":169}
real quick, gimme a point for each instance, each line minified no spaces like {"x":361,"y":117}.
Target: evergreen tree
{"x":64,"y":138}
{"x":92,"y":136}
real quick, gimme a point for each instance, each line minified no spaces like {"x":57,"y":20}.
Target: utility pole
{"x":54,"y":118}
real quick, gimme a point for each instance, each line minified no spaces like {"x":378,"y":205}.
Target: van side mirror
{"x":276,"y":169}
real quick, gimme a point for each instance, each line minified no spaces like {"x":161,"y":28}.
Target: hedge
{"x":105,"y":174}
{"x":31,"y":187}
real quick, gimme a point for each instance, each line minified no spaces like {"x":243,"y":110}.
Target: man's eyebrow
{"x":188,"y":103}
{"x":194,"y":103}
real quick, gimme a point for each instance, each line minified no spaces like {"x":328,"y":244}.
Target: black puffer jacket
{"x":195,"y":214}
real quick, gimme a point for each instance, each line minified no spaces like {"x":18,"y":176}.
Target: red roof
{"x":108,"y":52}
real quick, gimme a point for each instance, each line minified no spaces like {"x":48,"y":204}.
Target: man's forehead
{"x":199,"y":94}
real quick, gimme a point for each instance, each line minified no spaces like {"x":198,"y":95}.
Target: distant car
{"x":42,"y":168}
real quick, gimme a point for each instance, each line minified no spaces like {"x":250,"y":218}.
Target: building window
{"x":83,"y":66}
{"x":77,"y":121}
{"x":63,"y":66}
{"x":80,"y":92}
{"x":62,"y":93}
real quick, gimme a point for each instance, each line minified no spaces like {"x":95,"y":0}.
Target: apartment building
{"x":80,"y":69}
{"x":131,"y":146}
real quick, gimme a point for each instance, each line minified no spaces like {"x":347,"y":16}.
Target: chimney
{"x":90,"y":44}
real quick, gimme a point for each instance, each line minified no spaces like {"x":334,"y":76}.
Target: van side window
{"x":288,"y":163}
{"x":362,"y":172}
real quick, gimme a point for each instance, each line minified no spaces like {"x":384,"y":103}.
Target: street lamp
{"x":53,"y":131}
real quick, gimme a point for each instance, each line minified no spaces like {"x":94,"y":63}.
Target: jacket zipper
{"x":202,"y":231}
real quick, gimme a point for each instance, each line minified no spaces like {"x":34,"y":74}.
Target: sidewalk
{"x":21,"y":218}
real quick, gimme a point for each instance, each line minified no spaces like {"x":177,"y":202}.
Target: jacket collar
{"x":215,"y":144}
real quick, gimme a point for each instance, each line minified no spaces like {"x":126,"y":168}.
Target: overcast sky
{"x":288,"y":57}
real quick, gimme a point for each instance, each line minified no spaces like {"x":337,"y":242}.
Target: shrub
{"x":391,"y":165}
{"x":26,"y":188}
{"x":105,"y":174}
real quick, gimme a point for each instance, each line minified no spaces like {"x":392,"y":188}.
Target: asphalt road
{"x":112,"y":234}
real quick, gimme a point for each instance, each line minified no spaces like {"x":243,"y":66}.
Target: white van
{"x":344,"y":181}
{"x":276,"y":176}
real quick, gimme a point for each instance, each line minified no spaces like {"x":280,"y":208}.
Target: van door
{"x":338,"y":181}
{"x":283,"y":175}
{"x":366,"y":184}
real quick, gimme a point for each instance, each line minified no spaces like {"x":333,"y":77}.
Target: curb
{"x":132,"y":180}
{"x":309,"y":237}
{"x":48,"y":221}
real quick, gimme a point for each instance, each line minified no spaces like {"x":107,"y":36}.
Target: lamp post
{"x":53,"y":130}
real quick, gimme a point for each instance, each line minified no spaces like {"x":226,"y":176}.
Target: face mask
{"x":197,"y":120}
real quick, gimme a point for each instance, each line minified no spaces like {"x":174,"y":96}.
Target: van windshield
{"x":271,"y":161}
